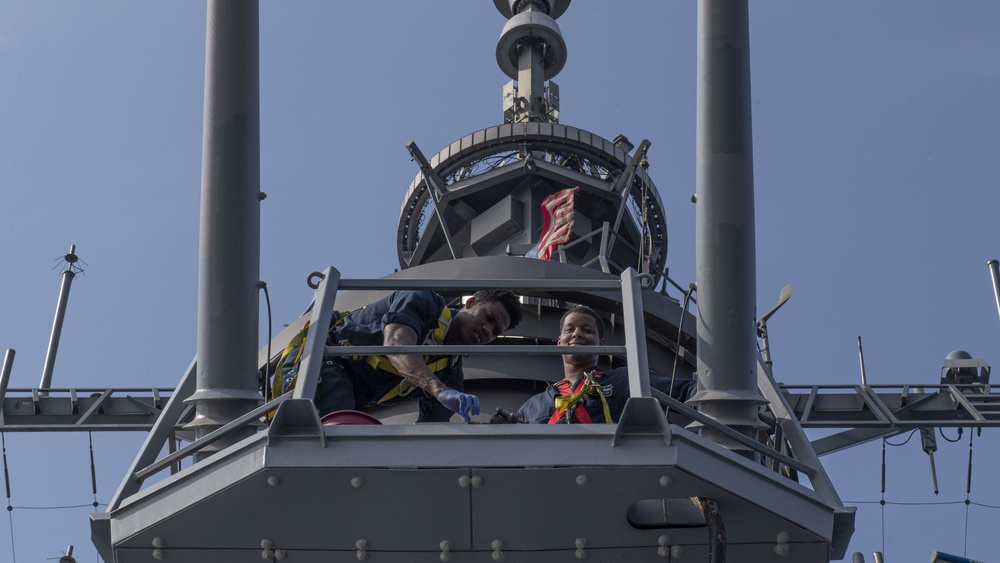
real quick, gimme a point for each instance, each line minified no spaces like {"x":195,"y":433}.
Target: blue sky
{"x":875,"y":151}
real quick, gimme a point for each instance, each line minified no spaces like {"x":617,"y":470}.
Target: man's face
{"x":480,"y":322}
{"x":579,"y":329}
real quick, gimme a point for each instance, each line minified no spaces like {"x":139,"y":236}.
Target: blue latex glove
{"x":464,"y":404}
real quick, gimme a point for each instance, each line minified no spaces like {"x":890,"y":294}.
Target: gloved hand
{"x":464,"y":404}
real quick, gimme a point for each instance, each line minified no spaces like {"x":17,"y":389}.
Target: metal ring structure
{"x":467,"y":165}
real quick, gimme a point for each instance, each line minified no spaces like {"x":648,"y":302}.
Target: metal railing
{"x":314,"y":348}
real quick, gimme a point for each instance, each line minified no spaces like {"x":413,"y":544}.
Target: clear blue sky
{"x":875,"y":149}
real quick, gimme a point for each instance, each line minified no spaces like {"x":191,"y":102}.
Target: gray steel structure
{"x":309,"y":492}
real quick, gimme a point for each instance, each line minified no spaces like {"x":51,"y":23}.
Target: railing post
{"x":635,"y":335}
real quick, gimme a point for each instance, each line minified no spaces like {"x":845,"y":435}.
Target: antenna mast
{"x":72,"y":268}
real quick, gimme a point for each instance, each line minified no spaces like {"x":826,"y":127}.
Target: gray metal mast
{"x":531,"y":50}
{"x":57,"y":323}
{"x":229,"y":246}
{"x":724,"y":240}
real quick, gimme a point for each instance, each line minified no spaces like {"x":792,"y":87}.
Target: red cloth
{"x":557,"y":224}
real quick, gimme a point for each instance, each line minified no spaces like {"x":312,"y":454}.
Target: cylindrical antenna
{"x":724,"y":225}
{"x":861,"y":357}
{"x":229,"y":241}
{"x":8,"y":365}
{"x":994,"y":266}
{"x":67,"y":281}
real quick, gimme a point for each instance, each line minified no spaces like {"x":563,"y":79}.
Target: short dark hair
{"x":585,"y":310}
{"x":510,"y":301}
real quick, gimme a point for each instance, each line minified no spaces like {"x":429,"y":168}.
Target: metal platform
{"x":471,"y":493}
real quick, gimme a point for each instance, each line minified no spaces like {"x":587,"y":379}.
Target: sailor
{"x":407,"y":318}
{"x":586,"y":394}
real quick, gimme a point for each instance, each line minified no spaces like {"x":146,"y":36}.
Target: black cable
{"x":10,"y":509}
{"x":266,"y":385}
{"x":903,"y":442}
{"x":6,"y":473}
{"x":947,"y":439}
{"x":716,"y":530}
{"x":680,"y":334}
{"x":968,"y":490}
{"x":93,"y":470}
{"x":882,"y":501}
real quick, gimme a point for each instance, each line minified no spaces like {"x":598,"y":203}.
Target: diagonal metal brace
{"x":437,"y":188}
{"x":623,"y":185}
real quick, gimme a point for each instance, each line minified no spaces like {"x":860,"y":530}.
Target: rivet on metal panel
{"x":676,"y":551}
{"x":665,"y":481}
{"x":158,"y":554}
{"x":357,"y":482}
{"x":274,"y":480}
{"x":477,"y":481}
{"x":497,"y":550}
{"x":781,"y":548}
{"x":362,"y":552}
{"x":581,"y":480}
{"x":445,"y":550}
{"x":279,"y":554}
{"x":664,"y":546}
{"x":267,"y":554}
{"x":464,"y":481}
{"x":580,"y":544}
{"x":266,"y":544}
{"x":158,"y":542}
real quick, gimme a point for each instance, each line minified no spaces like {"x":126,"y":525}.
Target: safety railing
{"x":628,"y":286}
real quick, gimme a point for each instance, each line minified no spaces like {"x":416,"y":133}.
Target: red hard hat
{"x":348,"y":417}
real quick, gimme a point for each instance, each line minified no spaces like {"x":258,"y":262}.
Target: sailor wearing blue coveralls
{"x":408,"y":318}
{"x":604,"y":395}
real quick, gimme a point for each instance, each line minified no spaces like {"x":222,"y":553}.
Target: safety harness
{"x":571,"y":396}
{"x":294,"y":347}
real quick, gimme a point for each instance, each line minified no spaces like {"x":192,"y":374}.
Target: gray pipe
{"x":57,"y":322}
{"x":995,"y":273}
{"x":229,"y":245}
{"x":725,"y":245}
{"x":8,"y":365}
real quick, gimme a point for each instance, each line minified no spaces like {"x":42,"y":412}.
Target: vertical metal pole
{"x":229,"y":245}
{"x":725,"y":243}
{"x":531,"y":79}
{"x":994,"y":266}
{"x":635,"y":335}
{"x":57,"y":323}
{"x":8,"y":365}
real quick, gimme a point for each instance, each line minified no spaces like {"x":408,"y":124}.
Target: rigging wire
{"x":882,"y":500}
{"x":93,"y":470}
{"x":266,"y":383}
{"x":947,"y":439}
{"x":10,"y":509}
{"x":886,"y":441}
{"x":680,"y":334}
{"x":968,"y":490}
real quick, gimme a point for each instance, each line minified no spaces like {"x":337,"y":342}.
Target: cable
{"x":266,"y":383}
{"x":947,"y":439}
{"x":882,"y":500}
{"x":903,"y":442}
{"x":968,"y":490}
{"x":93,"y":470}
{"x":680,"y":334}
{"x":10,"y":509}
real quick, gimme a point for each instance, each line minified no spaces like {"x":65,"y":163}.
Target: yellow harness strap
{"x":569,"y":402}
{"x":434,"y":363}
{"x":296,"y":345}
